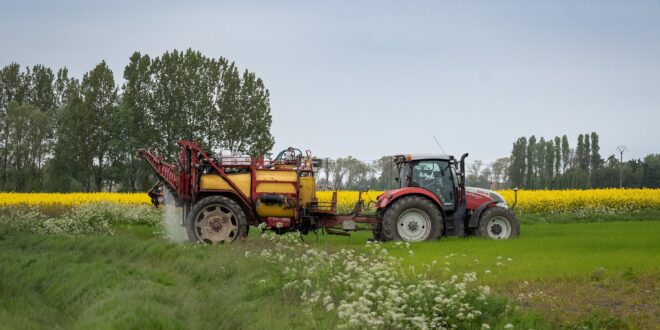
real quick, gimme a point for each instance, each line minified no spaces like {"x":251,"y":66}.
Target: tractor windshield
{"x":436,"y":176}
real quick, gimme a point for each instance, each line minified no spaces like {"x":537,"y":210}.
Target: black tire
{"x":498,"y":223}
{"x":391,"y":229}
{"x":377,"y":229}
{"x":216,"y":219}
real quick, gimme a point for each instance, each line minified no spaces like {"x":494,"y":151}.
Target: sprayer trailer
{"x":222,"y":196}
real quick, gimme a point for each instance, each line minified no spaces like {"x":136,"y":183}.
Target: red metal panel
{"x":389,"y":196}
{"x":475,"y":199}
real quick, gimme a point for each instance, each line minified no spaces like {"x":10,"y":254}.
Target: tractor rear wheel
{"x":216,"y":219}
{"x":412,"y":219}
{"x":498,"y":223}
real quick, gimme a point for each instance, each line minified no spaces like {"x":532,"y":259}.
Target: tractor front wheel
{"x":498,"y":223}
{"x":216,"y":219}
{"x":412,"y":219}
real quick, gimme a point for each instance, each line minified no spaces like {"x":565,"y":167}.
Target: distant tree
{"x":539,"y":163}
{"x":134,"y":126}
{"x":557,"y":155}
{"x":65,"y":88}
{"x":29,"y":132}
{"x":530,"y":160}
{"x":565,"y":152}
{"x":72,"y":167}
{"x":586,"y":161}
{"x":651,"y":177}
{"x":517,"y":168}
{"x":10,"y":90}
{"x":100,"y":96}
{"x":580,"y":152}
{"x":256,"y":138}
{"x":41,"y":92}
{"x":499,"y":169}
{"x":596,"y":160}
{"x":339,"y":173}
{"x":549,"y":163}
{"x":388,"y":173}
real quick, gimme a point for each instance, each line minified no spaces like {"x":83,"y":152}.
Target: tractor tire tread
{"x":388,"y":222}
{"x":217,"y":199}
{"x":482,"y":230}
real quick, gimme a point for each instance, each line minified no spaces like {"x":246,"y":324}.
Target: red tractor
{"x":432,"y":201}
{"x":222,"y":196}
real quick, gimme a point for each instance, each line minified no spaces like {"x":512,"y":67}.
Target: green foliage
{"x":519,"y":158}
{"x":553,"y":165}
{"x":651,"y":171}
{"x":90,"y":131}
{"x":28,"y":133}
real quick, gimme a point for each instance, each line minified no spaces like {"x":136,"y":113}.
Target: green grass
{"x":127,"y":282}
{"x":599,"y":275}
{"x":543,"y":251}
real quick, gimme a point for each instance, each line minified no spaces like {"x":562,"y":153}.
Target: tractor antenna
{"x":436,"y":141}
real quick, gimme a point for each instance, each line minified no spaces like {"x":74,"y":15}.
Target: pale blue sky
{"x":373,"y":78}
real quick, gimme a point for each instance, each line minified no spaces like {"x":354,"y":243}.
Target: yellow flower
{"x":529,"y":201}
{"x":44,"y":199}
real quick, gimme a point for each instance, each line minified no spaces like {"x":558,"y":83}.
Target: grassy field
{"x":593,"y":274}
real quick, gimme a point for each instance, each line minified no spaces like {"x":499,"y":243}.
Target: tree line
{"x":60,"y":133}
{"x":553,"y":164}
{"x":533,"y":164}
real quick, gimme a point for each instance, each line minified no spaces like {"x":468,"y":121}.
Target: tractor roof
{"x":412,"y":157}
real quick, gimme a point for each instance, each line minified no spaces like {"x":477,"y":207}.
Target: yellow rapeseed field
{"x":529,"y":201}
{"x":549,"y":201}
{"x":44,"y":199}
{"x":593,"y":200}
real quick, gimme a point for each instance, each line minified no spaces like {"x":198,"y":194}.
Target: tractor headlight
{"x":499,"y":199}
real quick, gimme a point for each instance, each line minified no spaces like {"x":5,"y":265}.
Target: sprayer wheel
{"x":216,"y":220}
{"x":411,"y":218}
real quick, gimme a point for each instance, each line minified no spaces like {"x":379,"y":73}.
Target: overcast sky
{"x":374,"y":78}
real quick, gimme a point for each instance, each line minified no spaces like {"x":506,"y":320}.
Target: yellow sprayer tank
{"x":278,"y":191}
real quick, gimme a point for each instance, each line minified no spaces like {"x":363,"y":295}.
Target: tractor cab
{"x":436,"y":173}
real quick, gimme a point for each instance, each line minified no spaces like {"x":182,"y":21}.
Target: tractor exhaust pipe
{"x":459,"y":214}
{"x":515,"y":198}
{"x":462,"y":164}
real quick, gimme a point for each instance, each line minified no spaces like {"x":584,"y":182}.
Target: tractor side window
{"x":404,"y":176}
{"x":435,"y":176}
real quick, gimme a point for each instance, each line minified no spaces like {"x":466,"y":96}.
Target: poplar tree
{"x":565,"y":152}
{"x":100,"y":96}
{"x":518,"y":160}
{"x":41,"y":93}
{"x":557,"y":155}
{"x":586,"y":160}
{"x":579,"y":151}
{"x":549,"y":162}
{"x":539,"y":162}
{"x":134,"y":120}
{"x":596,"y":160}
{"x":530,"y":156}
{"x":10,"y":90}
